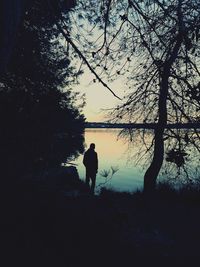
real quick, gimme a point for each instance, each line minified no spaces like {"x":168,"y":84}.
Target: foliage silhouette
{"x":40,"y":115}
{"x":155,"y":45}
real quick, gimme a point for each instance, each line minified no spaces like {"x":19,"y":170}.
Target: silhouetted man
{"x":90,"y":160}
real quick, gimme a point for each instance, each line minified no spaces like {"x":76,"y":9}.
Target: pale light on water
{"x":112,"y":152}
{"x":123,"y":155}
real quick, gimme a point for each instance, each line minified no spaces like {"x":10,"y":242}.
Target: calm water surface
{"x":112,"y":152}
{"x":119,"y":153}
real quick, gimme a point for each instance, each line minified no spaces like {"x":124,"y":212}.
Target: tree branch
{"x":68,"y":39}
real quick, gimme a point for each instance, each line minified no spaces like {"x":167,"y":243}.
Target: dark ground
{"x":43,"y":226}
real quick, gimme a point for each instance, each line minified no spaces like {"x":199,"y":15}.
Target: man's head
{"x":92,"y":146}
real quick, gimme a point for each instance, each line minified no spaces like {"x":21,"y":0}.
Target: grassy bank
{"x":43,"y":227}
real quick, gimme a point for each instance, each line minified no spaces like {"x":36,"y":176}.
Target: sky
{"x":98,"y":97}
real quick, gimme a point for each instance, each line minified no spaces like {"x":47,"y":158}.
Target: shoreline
{"x":140,"y":125}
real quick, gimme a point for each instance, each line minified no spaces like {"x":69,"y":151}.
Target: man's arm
{"x":96,"y":162}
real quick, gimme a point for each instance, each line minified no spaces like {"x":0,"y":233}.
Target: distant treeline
{"x":140,"y":125}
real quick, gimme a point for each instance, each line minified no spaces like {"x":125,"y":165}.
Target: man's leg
{"x":87,"y":178}
{"x":93,"y":178}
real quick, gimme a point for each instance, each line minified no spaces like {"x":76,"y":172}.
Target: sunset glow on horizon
{"x":98,"y":97}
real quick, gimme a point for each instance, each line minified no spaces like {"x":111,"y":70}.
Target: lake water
{"x":125,"y":156}
{"x":112,"y":152}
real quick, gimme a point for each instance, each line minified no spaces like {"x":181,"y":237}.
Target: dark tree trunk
{"x":152,"y":172}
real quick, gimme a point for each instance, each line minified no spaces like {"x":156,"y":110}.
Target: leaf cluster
{"x":38,"y":110}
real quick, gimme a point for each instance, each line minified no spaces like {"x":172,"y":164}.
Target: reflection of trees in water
{"x":139,"y":143}
{"x":187,"y":174}
{"x":181,"y":156}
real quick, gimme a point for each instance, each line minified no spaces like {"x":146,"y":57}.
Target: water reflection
{"x":112,"y":153}
{"x":181,"y":156}
{"x":131,"y":150}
